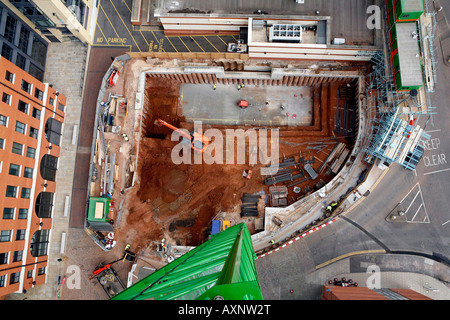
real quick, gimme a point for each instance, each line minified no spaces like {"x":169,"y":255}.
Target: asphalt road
{"x":423,"y":193}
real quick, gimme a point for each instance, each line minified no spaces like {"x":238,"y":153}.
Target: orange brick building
{"x":31,"y":124}
{"x":330,"y":292}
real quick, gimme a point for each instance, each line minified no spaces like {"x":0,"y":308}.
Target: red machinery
{"x":197,"y":141}
{"x":243,"y":104}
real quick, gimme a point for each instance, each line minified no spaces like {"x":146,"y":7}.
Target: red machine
{"x":197,"y":141}
{"x":243,"y":104}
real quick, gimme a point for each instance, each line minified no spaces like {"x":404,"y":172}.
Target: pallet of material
{"x":336,"y":166}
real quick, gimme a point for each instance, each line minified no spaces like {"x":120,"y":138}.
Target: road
{"x":423,"y":194}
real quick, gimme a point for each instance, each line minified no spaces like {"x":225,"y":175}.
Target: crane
{"x":197,"y":141}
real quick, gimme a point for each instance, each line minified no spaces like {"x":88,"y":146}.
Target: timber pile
{"x":252,"y":205}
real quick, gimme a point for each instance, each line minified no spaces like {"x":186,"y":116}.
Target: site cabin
{"x":98,"y":214}
{"x":404,"y":10}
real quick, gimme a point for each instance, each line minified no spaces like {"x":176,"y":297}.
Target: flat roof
{"x":412,"y":5}
{"x":409,"y":54}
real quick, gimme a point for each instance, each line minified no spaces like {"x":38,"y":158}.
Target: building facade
{"x":21,"y":43}
{"x":31,"y":125}
{"x":58,"y":20}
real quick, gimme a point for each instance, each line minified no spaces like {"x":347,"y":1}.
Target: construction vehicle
{"x":197,"y":141}
{"x":242,"y":104}
{"x":107,"y":276}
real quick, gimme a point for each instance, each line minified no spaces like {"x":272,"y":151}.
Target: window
{"x":30,"y":274}
{"x":24,"y":38}
{"x":23,"y":213}
{"x":39,"y":243}
{"x":44,"y":204}
{"x":2,"y":281}
{"x":6,"y":98}
{"x":22,"y":106}
{"x":53,"y":130}
{"x":31,"y":152}
{"x":21,"y":61}
{"x":2,"y":143}
{"x":36,"y":113}
{"x":3,"y":120}
{"x":26,"y":86}
{"x":38,"y":94}
{"x":10,"y":28}
{"x":61,"y":107}
{"x":11,"y":191}
{"x":5,"y":235}
{"x":15,"y":277}
{"x":48,"y":167}
{"x":17,"y":148}
{"x":14,"y":169}
{"x":51,"y":101}
{"x":7,"y":52}
{"x":9,"y":76}
{"x":41,"y":271}
{"x":20,"y":234}
{"x":28,"y":172}
{"x":26,"y":192}
{"x":4,"y":258}
{"x":17,"y":256}
{"x":34,"y":132}
{"x":8,"y":213}
{"x":21,"y":127}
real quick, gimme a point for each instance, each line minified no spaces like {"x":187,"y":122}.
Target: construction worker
{"x":242,"y":85}
{"x":239,"y":87}
{"x":272,"y":241}
{"x":329,"y":208}
{"x":214,"y":87}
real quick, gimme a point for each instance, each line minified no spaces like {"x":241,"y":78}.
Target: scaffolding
{"x":394,"y":135}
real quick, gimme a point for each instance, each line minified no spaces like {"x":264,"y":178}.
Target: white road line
{"x":431,"y":131}
{"x":410,"y":204}
{"x":409,"y":192}
{"x":436,"y":171}
{"x":417,"y":212}
{"x":446,"y":222}
{"x":423,"y":202}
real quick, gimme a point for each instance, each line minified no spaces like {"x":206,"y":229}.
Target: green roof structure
{"x":222,"y":268}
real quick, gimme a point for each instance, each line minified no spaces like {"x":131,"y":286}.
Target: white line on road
{"x":446,"y":222}
{"x":436,"y":171}
{"x":431,"y":131}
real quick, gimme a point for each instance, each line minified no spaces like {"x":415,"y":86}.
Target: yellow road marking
{"x":197,"y":44}
{"x":126,"y":5}
{"x":211,"y":44}
{"x":106,"y":39}
{"x":125,"y":26}
{"x":184,"y":44}
{"x":109,"y":20}
{"x":172,"y":44}
{"x":222,"y":40}
{"x":348,"y":255}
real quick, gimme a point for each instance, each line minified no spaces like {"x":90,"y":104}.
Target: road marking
{"x":222,"y":40}
{"x":184,"y":44}
{"x":350,"y":254}
{"x":125,"y":26}
{"x":197,"y":44}
{"x":101,"y":7}
{"x":172,"y":44}
{"x":446,"y":222}
{"x":211,"y":44}
{"x":436,"y":171}
{"x":421,"y":206}
{"x":431,"y":131}
{"x":126,"y":5}
{"x":106,"y":39}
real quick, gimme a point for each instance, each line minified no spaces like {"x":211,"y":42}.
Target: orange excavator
{"x":197,"y":141}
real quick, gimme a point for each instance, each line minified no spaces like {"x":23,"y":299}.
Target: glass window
{"x":5,"y":235}
{"x":23,"y":213}
{"x":21,"y":61}
{"x":17,"y":256}
{"x":48,"y":167}
{"x":8,"y":213}
{"x":11,"y":191}
{"x":36,"y":113}
{"x":36,"y":72}
{"x":2,"y":143}
{"x":7,"y":51}
{"x":3,"y":120}
{"x":28,"y":172}
{"x":26,"y":86}
{"x":24,"y":39}
{"x":22,"y":106}
{"x":14,"y":169}
{"x":17,"y":148}
{"x":10,"y":28}
{"x":21,"y":127}
{"x":31,"y":152}
{"x":38,"y":94}
{"x":6,"y":98}
{"x":26,"y":192}
{"x":34,"y":132}
{"x":38,"y":51}
{"x":14,"y":277}
{"x":20,"y":234}
{"x":44,"y":204}
{"x":9,"y":76}
{"x":53,"y":130}
{"x":39,"y":243}
{"x":2,"y":281}
{"x":3,"y":258}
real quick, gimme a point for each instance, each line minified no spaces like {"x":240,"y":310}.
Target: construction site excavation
{"x":307,"y":116}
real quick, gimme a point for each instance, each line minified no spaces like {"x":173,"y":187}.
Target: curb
{"x":296,"y":238}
